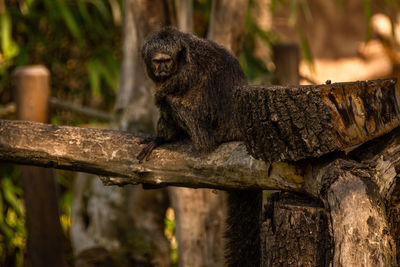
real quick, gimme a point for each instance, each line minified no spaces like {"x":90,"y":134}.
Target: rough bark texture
{"x":289,"y":123}
{"x":394,"y":222}
{"x":101,"y":152}
{"x":358,"y":213}
{"x":295,"y":232}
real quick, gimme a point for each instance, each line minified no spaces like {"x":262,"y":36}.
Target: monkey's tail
{"x":243,"y":228}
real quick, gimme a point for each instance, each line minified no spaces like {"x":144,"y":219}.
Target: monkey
{"x":194,"y":80}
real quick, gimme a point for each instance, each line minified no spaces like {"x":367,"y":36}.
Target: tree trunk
{"x":199,"y":226}
{"x":295,"y":232}
{"x":227,"y":23}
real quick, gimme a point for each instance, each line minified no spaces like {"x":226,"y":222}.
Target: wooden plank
{"x":290,"y":123}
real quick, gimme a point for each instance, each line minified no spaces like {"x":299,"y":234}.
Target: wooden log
{"x":112,"y":154}
{"x":290,"y":123}
{"x":295,"y":232}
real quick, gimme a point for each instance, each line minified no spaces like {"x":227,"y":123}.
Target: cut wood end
{"x":290,"y":123}
{"x":33,"y":70}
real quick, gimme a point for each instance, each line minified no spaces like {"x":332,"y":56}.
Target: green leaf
{"x":94,"y":76}
{"x":306,"y":10}
{"x":83,"y":10}
{"x":102,"y":8}
{"x":70,"y":21}
{"x":116,"y":11}
{"x":1,"y":209}
{"x":8,"y":46}
{"x":10,"y":195}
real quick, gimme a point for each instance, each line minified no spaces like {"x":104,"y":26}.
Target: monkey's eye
{"x":159,"y":61}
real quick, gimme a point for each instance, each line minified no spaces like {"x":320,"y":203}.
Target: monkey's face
{"x":163,"y":66}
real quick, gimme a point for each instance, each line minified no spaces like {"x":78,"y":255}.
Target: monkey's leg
{"x":167,"y":130}
{"x":152,"y":143}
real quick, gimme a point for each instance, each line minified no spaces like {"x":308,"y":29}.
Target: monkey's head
{"x":163,"y":66}
{"x":164,"y":53}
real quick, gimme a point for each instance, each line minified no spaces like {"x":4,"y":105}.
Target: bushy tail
{"x":243,"y":228}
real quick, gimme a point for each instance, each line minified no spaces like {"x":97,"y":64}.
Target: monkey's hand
{"x":152,"y":143}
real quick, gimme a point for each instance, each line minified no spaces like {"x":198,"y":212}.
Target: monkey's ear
{"x":185,"y":51}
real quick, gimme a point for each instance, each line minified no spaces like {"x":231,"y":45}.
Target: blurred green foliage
{"x":12,"y":219}
{"x":79,"y":41}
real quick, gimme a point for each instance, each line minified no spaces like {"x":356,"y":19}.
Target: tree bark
{"x":290,"y":123}
{"x":295,"y":232}
{"x":358,"y":213}
{"x":100,"y":152}
{"x":394,"y":222}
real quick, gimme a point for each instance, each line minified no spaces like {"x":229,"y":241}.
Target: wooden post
{"x":286,"y":59}
{"x":45,"y":236}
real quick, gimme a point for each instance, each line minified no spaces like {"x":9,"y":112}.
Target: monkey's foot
{"x":152,"y":143}
{"x":147,"y":140}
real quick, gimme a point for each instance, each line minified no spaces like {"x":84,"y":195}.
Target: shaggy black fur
{"x":195,"y":99}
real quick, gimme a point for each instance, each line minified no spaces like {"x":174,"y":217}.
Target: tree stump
{"x":295,"y":232}
{"x":290,"y":123}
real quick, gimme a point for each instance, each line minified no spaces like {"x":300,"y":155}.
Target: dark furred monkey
{"x":194,"y":82}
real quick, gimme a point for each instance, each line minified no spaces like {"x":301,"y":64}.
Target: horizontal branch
{"x":113,"y":154}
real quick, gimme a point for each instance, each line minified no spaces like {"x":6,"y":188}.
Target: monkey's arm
{"x":167,"y":130}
